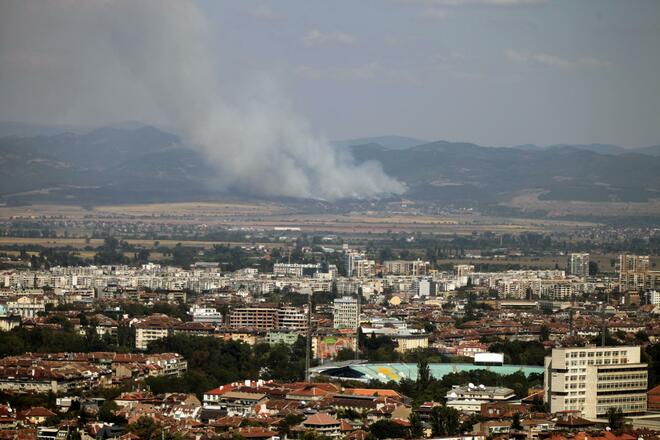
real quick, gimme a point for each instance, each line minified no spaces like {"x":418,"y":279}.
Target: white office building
{"x":594,"y":379}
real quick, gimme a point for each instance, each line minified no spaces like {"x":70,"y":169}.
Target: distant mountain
{"x":465,"y":172}
{"x":25,"y":129}
{"x":651,"y":151}
{"x":137,"y":163}
{"x":596,"y":148}
{"x":389,"y":142}
{"x":110,"y":161}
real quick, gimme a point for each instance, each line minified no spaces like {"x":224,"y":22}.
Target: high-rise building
{"x":426,"y":288}
{"x":357,"y":265}
{"x":594,"y":379}
{"x":578,"y":264}
{"x":654,"y":297}
{"x":406,"y":267}
{"x":346,"y":312}
{"x":463,"y":270}
{"x":634,"y":273}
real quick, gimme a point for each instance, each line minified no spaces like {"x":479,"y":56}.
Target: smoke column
{"x":98,"y":61}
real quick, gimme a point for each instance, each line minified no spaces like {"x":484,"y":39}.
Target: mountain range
{"x":132,"y":163}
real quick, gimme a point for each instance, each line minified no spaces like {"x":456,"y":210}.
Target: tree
{"x":290,"y":420}
{"x":416,"y":427}
{"x":423,"y":373}
{"x":515,"y":423}
{"x":444,"y":421}
{"x":615,"y":418}
{"x":545,"y":333}
{"x":383,"y":429}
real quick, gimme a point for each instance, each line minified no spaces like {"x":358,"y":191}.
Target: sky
{"x":493,"y":72}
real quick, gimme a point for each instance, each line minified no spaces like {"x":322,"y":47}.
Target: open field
{"x":268,"y":216}
{"x":529,"y":201}
{"x":144,"y":211}
{"x":81,"y":243}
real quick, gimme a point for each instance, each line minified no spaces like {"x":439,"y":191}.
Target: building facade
{"x":594,"y":379}
{"x":578,"y":264}
{"x":346,"y":312}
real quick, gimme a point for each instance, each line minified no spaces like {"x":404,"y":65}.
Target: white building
{"x":654,"y":297}
{"x":346,"y":312}
{"x":357,"y":265}
{"x":26,"y":307}
{"x":578,"y":264}
{"x":468,"y":399}
{"x":295,"y":269}
{"x":426,"y":288}
{"x":595,"y":379}
{"x":204,"y":314}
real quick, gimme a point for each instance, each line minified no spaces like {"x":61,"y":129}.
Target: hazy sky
{"x":495,"y":72}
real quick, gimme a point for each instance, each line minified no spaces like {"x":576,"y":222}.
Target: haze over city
{"x":305,"y":220}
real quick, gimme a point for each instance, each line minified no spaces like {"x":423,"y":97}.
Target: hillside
{"x":145,"y":164}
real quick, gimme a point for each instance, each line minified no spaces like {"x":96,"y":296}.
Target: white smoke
{"x":96,"y":61}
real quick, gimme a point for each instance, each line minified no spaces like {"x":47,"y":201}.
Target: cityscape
{"x":346,"y":220}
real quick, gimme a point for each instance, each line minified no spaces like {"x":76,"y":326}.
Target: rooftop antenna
{"x":309,"y":337}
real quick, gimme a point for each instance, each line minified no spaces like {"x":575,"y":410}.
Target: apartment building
{"x":594,"y":379}
{"x":635,"y":273}
{"x":578,"y":264}
{"x":206,"y":315}
{"x":295,"y":269}
{"x":268,"y":318}
{"x":256,"y":318}
{"x":153,"y":328}
{"x":406,"y":267}
{"x":469,"y":398}
{"x":463,"y":270}
{"x":26,"y":307}
{"x":291,"y":318}
{"x":346,"y":313}
{"x":357,"y":265}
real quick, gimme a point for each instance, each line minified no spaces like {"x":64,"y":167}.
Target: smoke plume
{"x":100,"y":61}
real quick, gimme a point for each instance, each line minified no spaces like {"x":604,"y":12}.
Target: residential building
{"x":268,"y":318}
{"x":206,"y":314}
{"x":153,"y":328}
{"x":357,"y":265}
{"x":324,"y":424}
{"x":427,"y":288}
{"x":346,"y":312}
{"x":633,"y":272}
{"x":295,"y":269}
{"x":26,"y":307}
{"x":469,"y":398}
{"x":257,"y":318}
{"x":578,"y":264}
{"x":406,"y":267}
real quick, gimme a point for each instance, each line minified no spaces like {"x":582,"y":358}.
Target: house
{"x":654,"y":399}
{"x":238,"y":403}
{"x":324,"y":424}
{"x":256,"y":433}
{"x":36,"y":415}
